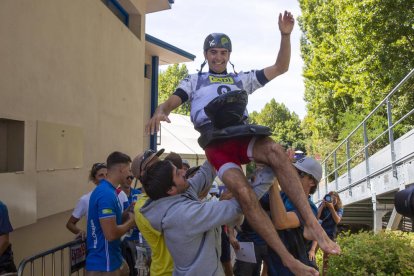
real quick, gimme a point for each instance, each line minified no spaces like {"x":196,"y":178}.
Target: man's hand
{"x":81,"y":235}
{"x":311,"y":254}
{"x":290,"y":154}
{"x":234,"y":243}
{"x":286,"y":23}
{"x":153,"y":124}
{"x":226,"y":195}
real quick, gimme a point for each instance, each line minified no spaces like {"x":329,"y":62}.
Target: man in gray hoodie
{"x":192,"y":228}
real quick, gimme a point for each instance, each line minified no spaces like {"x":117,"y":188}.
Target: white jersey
{"x":82,"y":207}
{"x":203,"y":88}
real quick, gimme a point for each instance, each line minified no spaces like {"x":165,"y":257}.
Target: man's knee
{"x":266,"y":149}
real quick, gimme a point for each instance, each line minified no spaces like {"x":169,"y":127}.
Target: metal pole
{"x":336,"y":171}
{"x":366,"y":155}
{"x":348,"y":165}
{"x":391,"y":137}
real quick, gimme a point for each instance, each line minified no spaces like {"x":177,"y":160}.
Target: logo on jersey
{"x":224,"y":80}
{"x":107,"y":211}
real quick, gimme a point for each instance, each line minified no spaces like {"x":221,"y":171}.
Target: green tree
{"x":354,"y":53}
{"x":168,"y":81}
{"x":285,"y":125}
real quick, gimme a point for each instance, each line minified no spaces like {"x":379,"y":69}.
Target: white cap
{"x":309,"y":166}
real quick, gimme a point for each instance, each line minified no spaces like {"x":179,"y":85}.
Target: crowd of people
{"x":177,"y":222}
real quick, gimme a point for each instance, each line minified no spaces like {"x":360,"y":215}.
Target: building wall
{"x":75,"y":65}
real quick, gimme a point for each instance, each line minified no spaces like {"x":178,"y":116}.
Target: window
{"x":147,"y":71}
{"x":11,"y":145}
{"x":130,"y":16}
{"x":118,"y":10}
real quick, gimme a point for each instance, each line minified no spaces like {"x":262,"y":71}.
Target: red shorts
{"x":230,"y":153}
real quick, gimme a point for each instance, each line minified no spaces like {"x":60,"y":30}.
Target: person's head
{"x":336,"y":200}
{"x":145,"y":160}
{"x":310,"y":173}
{"x":186,"y":165}
{"x":175,"y":158}
{"x":119,"y":167}
{"x":163,"y":179}
{"x":98,"y":172}
{"x":217,"y":49}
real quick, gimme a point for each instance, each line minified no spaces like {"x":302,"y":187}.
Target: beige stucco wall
{"x":73,"y":63}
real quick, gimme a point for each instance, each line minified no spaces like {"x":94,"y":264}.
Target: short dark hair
{"x":94,"y":170}
{"x":158,"y":179}
{"x":116,"y":158}
{"x":175,"y":158}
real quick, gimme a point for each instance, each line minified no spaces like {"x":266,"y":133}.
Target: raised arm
{"x":280,"y":218}
{"x":161,"y":114}
{"x":286,"y":23}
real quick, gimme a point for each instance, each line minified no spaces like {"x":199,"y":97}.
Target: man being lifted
{"x":227,"y":155}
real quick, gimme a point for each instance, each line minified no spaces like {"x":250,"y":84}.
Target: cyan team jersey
{"x":203,"y":88}
{"x":103,"y":255}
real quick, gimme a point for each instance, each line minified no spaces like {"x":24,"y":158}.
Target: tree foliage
{"x":168,"y":81}
{"x":285,"y":125}
{"x":354,"y":53}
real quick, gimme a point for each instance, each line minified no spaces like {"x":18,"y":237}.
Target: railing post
{"x":366,"y":155}
{"x":336,"y":170}
{"x":391,"y":137}
{"x":326,"y":179}
{"x":348,"y":165}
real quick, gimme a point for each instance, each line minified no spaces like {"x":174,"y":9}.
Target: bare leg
{"x":267,"y":151}
{"x":260,"y":221}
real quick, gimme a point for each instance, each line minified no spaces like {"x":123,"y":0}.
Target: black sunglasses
{"x":98,"y":166}
{"x":145,"y":156}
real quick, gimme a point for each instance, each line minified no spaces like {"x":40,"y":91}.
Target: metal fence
{"x":332,"y":166}
{"x":66,"y":259}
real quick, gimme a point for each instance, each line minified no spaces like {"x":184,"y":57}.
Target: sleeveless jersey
{"x":203,"y":88}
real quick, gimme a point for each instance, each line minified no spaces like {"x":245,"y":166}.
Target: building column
{"x":154,"y":95}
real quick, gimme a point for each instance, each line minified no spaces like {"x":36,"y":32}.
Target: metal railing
{"x":335,"y":172}
{"x":69,"y":258}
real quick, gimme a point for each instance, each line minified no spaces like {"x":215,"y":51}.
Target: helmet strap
{"x":201,"y":67}
{"x":233,"y":67}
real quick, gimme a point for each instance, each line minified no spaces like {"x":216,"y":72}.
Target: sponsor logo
{"x":212,"y":43}
{"x":107,"y":211}
{"x":224,"y":41}
{"x":93,"y":234}
{"x":224,"y":80}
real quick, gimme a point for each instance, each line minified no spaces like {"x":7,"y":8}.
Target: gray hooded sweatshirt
{"x":192,"y":228}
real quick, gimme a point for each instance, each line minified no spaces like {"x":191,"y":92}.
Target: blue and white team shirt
{"x":200,"y":89}
{"x":103,"y":255}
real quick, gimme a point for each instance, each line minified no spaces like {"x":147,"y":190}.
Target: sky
{"x":253,"y":28}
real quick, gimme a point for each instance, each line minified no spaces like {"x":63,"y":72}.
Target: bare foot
{"x":316,"y":233}
{"x":299,"y":268}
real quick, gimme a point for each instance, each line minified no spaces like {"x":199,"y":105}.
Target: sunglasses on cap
{"x":98,"y":166}
{"x":145,"y":156}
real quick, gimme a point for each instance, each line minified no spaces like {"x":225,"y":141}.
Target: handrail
{"x":74,"y":262}
{"x":327,"y":172}
{"x":395,"y":89}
